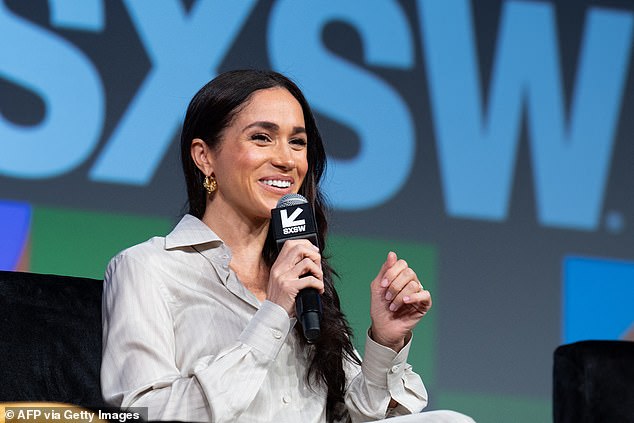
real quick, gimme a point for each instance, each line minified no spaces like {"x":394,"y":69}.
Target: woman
{"x":200,"y":325}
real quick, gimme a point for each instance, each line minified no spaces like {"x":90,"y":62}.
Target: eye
{"x":261,"y":138}
{"x":298,"y":143}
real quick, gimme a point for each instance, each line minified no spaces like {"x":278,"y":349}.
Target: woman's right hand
{"x":298,"y":266}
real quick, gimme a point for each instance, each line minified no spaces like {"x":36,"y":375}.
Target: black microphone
{"x":293,"y":218}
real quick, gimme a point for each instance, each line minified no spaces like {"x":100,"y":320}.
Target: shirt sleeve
{"x":383,"y":375}
{"x":138,"y":361}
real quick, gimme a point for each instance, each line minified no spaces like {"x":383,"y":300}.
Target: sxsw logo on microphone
{"x":290,"y":224}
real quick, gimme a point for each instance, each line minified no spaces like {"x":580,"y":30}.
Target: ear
{"x":203,"y":156}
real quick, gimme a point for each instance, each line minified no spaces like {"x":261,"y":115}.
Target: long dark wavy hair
{"x":210,"y":111}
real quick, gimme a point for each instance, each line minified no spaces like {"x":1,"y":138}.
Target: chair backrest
{"x":50,"y":338}
{"x":593,"y":381}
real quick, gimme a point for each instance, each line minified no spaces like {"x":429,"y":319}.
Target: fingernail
{"x":406,"y":299}
{"x":388,"y":295}
{"x":315,"y":247}
{"x":392,"y":307}
{"x":384,"y":282}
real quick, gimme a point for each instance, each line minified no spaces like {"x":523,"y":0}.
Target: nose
{"x":283,"y":157}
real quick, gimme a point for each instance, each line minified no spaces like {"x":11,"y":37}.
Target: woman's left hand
{"x":398,"y":301}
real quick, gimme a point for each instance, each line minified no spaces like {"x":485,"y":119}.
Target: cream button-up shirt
{"x":184,"y":337}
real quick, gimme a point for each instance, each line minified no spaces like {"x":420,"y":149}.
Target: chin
{"x":271,"y":200}
{"x":265,"y":209}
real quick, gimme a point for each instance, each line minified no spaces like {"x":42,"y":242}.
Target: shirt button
{"x":395,"y":368}
{"x":277,"y":334}
{"x":286,"y":399}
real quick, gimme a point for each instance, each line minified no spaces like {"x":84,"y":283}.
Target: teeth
{"x":277,"y":183}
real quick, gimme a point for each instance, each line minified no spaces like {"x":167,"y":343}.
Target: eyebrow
{"x":274,"y":127}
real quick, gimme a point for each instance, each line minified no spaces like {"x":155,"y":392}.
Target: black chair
{"x":50,"y":338}
{"x":593,"y":381}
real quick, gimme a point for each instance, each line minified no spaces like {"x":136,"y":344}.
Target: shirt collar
{"x":191,"y":231}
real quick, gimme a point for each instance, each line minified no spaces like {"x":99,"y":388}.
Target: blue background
{"x":488,"y":142}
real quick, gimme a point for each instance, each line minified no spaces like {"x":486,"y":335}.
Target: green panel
{"x":496,"y":409}
{"x":80,"y":243}
{"x":358,"y":260}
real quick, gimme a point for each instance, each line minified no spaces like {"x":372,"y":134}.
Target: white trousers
{"x":439,"y":416}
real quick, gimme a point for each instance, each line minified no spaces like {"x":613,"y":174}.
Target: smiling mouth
{"x":277,"y":183}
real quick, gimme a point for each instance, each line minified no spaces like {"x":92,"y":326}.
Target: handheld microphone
{"x":293,"y":218}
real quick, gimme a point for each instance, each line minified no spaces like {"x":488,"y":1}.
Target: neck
{"x":239,"y":232}
{"x":245,"y":237}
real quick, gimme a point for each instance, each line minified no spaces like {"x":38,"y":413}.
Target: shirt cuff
{"x":381,"y":364}
{"x":267,"y":330}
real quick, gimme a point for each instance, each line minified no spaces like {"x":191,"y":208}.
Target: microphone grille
{"x":291,"y":200}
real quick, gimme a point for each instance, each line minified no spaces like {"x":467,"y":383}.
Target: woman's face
{"x":262,"y":155}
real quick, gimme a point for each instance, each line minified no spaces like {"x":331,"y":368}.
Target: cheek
{"x":248,"y":161}
{"x":302,"y":166}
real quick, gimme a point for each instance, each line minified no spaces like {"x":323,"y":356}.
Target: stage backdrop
{"x":489,"y":143}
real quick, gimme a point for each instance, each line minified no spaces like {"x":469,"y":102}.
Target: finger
{"x":421,"y":301}
{"x":306,"y":266}
{"x":422,"y":297}
{"x":408,"y":286}
{"x":295,"y":250}
{"x":392,"y":273}
{"x":390,"y":261}
{"x":383,"y":269}
{"x":294,"y":244}
{"x":391,"y":258}
{"x":294,"y":286}
{"x":310,"y":281}
{"x":397,"y":277}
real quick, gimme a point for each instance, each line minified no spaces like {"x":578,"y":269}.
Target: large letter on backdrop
{"x":45,"y":64}
{"x":349,"y":94}
{"x":477,"y":148}
{"x":185,"y":49}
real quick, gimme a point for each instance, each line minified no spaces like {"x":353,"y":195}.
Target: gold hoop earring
{"x":210,"y":184}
